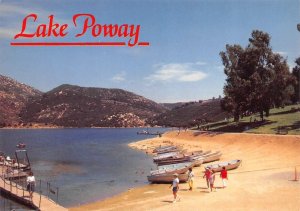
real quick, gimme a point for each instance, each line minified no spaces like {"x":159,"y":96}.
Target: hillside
{"x":74,"y":106}
{"x":13,"y":97}
{"x":192,"y":114}
{"x":281,"y":121}
{"x":171,"y":106}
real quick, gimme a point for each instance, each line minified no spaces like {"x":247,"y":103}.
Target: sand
{"x":264,"y":181}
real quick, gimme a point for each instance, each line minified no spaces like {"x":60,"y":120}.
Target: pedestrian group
{"x":209,"y":175}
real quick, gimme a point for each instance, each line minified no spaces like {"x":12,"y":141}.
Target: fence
{"x":15,"y":183}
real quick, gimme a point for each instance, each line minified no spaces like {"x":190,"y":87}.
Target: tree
{"x":296,"y":74}
{"x":257,"y":78}
{"x":235,"y":87}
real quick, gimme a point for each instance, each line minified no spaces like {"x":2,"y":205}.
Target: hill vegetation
{"x":74,"y":106}
{"x":13,"y":97}
{"x":192,"y":114}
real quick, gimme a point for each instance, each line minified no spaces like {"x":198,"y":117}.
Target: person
{"x":207,"y":174}
{"x":30,"y":184}
{"x":191,"y":178}
{"x":224,"y":176}
{"x":212,"y":180}
{"x":175,"y":187}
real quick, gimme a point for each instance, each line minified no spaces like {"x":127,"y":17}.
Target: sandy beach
{"x":264,"y":181}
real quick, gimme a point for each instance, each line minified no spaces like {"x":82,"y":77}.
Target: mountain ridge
{"x":75,"y":106}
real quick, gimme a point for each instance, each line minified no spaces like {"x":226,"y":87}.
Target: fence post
{"x":56,"y":195}
{"x":10,"y":185}
{"x":23,"y":187}
{"x":40,"y":193}
{"x":17,"y":182}
{"x":48,"y":190}
{"x":3,"y":177}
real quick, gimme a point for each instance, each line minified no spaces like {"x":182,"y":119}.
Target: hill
{"x":192,"y":113}
{"x":74,"y":106}
{"x":13,"y":97}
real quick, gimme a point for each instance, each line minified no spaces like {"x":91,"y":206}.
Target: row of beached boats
{"x":172,"y":160}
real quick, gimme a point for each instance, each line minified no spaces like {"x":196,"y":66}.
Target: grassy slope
{"x":287,"y":118}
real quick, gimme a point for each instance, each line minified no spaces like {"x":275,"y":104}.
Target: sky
{"x":182,"y":62}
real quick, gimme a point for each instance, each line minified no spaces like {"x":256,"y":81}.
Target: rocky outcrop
{"x":13,"y":97}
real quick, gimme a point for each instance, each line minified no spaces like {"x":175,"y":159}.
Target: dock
{"x":20,"y":194}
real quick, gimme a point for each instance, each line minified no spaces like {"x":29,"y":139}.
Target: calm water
{"x":86,"y":164}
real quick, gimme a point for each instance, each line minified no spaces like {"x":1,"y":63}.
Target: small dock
{"x":15,"y":176}
{"x":20,"y":194}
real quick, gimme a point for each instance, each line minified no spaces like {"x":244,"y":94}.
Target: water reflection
{"x":9,"y":205}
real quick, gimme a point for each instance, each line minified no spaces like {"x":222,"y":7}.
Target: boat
{"x":212,"y":157}
{"x":179,"y":158}
{"x":165,"y":149}
{"x":169,"y":150}
{"x":15,"y":174}
{"x":197,"y":160}
{"x":165,"y":155}
{"x":175,"y":166}
{"x":180,"y":169}
{"x":166,"y":178}
{"x":144,"y":132}
{"x":229,"y":165}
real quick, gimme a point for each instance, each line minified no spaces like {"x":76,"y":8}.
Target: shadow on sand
{"x":167,"y":201}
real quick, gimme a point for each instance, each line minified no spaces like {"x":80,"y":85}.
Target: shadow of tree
{"x":293,"y":110}
{"x":294,"y":126}
{"x":243,"y":126}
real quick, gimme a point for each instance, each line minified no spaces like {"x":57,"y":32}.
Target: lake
{"x":86,"y":164}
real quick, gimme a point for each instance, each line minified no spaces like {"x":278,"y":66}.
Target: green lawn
{"x":287,"y":119}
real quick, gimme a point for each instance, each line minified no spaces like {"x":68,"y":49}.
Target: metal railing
{"x":16,"y":184}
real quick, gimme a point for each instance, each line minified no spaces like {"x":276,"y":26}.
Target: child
{"x":191,"y":178}
{"x":175,"y":187}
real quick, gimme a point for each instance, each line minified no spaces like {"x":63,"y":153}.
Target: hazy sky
{"x":182,"y":62}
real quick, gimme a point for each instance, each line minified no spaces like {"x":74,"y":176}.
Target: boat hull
{"x":229,"y":165}
{"x":167,"y":178}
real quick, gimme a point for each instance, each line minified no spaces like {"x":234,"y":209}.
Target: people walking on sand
{"x":212,"y":178}
{"x":191,"y":178}
{"x":30,"y":184}
{"x":207,"y":174}
{"x":175,"y":188}
{"x":224,"y":177}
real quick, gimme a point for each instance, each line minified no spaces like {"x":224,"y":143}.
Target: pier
{"x":18,"y":192}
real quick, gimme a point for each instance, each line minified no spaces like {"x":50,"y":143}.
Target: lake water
{"x":86,"y":164}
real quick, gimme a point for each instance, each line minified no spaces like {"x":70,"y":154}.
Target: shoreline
{"x":61,"y":127}
{"x":232,"y":145}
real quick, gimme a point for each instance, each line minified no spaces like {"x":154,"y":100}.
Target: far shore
{"x":264,"y":181}
{"x":62,"y":127}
